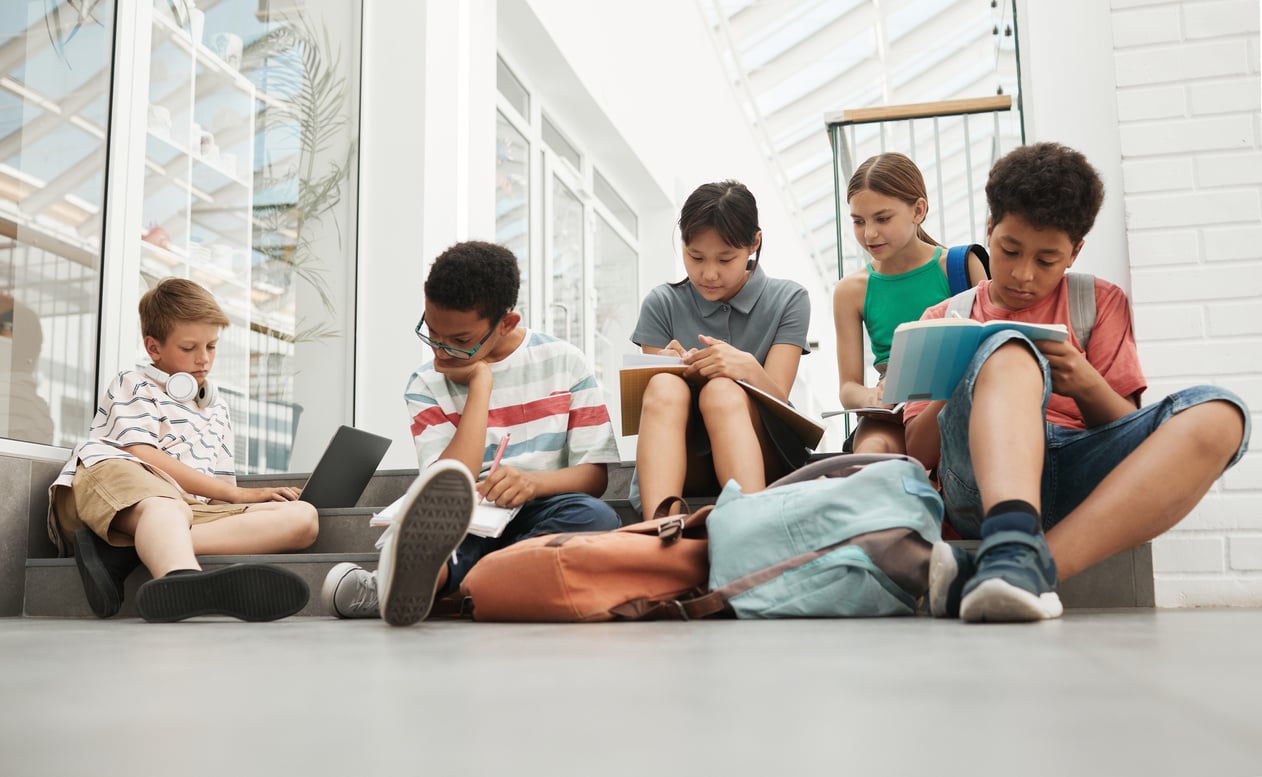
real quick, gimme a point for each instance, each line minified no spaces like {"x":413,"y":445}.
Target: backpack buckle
{"x":671,"y":530}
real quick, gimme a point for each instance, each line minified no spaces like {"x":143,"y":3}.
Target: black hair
{"x":728,"y":208}
{"x":475,"y":275}
{"x":1048,"y":185}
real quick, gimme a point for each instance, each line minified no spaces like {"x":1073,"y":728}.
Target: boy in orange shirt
{"x":1044,"y":437}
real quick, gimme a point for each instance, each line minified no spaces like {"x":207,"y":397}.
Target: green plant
{"x":304,"y":77}
{"x":60,"y":32}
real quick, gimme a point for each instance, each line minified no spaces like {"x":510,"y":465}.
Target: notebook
{"x":343,"y":472}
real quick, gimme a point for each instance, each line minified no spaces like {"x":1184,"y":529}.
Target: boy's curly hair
{"x":475,"y":275}
{"x":1049,"y":185}
{"x":177,"y":301}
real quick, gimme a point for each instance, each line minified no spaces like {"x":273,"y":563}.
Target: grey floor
{"x":1121,"y":692}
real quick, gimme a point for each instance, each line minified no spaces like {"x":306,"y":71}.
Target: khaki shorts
{"x":102,"y":491}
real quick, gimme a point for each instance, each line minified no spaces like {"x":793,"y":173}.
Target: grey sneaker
{"x":434,"y":520}
{"x":950,"y":568}
{"x":350,"y":591}
{"x":1016,"y":575}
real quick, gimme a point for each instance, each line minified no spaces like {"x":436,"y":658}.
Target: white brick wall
{"x":1191,"y":141}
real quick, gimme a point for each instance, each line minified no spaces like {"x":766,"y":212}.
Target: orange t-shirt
{"x":1111,"y":349}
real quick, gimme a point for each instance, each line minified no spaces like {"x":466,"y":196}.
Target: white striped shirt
{"x":137,"y":411}
{"x":543,"y":395}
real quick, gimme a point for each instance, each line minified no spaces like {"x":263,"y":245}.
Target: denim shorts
{"x":1076,"y":460}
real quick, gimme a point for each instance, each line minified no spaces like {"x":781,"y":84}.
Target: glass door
{"x":565,"y":239}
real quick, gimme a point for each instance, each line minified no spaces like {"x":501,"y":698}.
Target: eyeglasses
{"x":451,"y":350}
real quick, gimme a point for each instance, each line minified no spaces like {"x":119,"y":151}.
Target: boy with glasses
{"x":490,"y":379}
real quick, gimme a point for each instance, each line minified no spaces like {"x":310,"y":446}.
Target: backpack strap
{"x":957,"y":265}
{"x":1082,"y":312}
{"x":957,"y":269}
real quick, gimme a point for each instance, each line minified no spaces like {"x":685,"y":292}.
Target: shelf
{"x":202,"y":53}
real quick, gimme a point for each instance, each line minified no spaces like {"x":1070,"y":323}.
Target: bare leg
{"x":160,"y":527}
{"x":1006,"y":433}
{"x":1152,"y":489}
{"x":733,"y":424}
{"x":270,"y":527}
{"x":873,"y":436}
{"x":661,"y":456}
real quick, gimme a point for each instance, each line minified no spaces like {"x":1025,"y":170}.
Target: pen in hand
{"x":495,"y":463}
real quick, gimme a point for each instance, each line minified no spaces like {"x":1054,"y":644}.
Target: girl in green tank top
{"x":888,"y":204}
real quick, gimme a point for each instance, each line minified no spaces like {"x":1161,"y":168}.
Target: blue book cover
{"x":928,"y":357}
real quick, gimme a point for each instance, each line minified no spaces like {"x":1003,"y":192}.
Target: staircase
{"x":53,"y":587}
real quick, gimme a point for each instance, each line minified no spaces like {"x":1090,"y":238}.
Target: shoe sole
{"x":426,"y":536}
{"x":248,"y":592}
{"x":943,"y":569}
{"x":998,"y":601}
{"x":328,"y":590}
{"x":98,"y":586}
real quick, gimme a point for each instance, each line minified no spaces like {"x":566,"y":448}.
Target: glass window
{"x":512,"y":201}
{"x":614,"y":203}
{"x":557,"y":142}
{"x":617,"y":308}
{"x":567,"y":265}
{"x":54,"y":91}
{"x":247,"y":190}
{"x":511,"y":88}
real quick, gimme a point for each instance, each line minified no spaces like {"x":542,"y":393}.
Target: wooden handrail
{"x":999,"y":102}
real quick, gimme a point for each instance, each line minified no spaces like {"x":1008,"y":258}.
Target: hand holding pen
{"x":495,"y":465}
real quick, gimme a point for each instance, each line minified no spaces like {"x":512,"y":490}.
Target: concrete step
{"x":388,"y":485}
{"x":53,"y":587}
{"x":346,"y":531}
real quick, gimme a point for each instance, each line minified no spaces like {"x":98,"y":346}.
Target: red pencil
{"x":495,"y":463}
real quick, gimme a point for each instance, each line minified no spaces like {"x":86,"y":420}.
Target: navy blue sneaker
{"x":1015,"y":579}
{"x":950,"y":567}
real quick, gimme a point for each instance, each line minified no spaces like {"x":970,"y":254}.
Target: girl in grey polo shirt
{"x":728,"y":321}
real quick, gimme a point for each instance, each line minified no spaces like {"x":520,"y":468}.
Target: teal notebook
{"x":928,"y":357}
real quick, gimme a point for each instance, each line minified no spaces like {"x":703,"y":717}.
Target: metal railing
{"x":953,"y":142}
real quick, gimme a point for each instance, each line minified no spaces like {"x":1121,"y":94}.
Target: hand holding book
{"x":928,"y":357}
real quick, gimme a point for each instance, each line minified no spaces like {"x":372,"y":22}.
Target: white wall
{"x":1188,"y":97}
{"x":652,"y":69}
{"x":1069,"y":96}
{"x":426,"y":165}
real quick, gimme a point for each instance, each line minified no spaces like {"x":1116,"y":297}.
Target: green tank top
{"x":893,"y":299}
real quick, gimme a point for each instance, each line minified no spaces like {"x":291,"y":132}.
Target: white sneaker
{"x":433,"y":521}
{"x":350,"y":591}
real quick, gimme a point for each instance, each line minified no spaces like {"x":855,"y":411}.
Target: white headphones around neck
{"x":183,"y":387}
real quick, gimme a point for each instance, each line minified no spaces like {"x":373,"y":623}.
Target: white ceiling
{"x":792,"y":62}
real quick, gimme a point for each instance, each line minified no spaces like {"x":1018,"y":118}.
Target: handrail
{"x":999,"y":102}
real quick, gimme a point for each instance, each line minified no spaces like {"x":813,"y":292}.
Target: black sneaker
{"x":103,"y":569}
{"x":248,"y":592}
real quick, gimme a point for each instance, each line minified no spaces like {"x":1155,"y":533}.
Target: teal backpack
{"x":846,"y":536}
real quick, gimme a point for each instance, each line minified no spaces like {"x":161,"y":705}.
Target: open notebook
{"x":488,"y":520}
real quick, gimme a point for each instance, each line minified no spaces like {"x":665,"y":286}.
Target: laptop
{"x":343,"y":472}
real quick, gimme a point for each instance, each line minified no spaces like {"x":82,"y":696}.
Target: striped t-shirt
{"x":137,"y":411}
{"x":543,"y":395}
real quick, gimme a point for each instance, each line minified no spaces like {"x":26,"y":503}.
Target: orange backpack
{"x":642,"y":570}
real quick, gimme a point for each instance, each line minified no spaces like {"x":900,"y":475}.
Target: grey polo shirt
{"x":765,"y":312}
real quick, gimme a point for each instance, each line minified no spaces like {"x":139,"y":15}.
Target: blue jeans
{"x":1075,"y":461}
{"x":573,"y":512}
